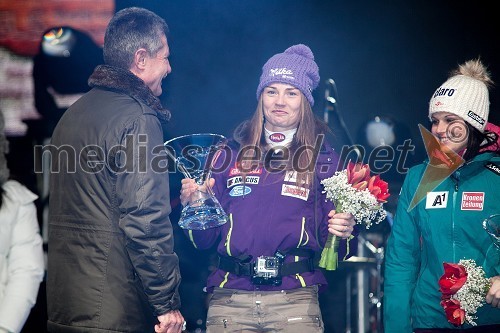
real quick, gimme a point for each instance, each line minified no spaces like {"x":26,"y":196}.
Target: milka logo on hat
{"x":476,"y":117}
{"x":284,"y":72}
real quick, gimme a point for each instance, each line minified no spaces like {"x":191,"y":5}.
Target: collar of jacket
{"x":124,"y":81}
{"x":475,"y":165}
{"x":481,"y":157}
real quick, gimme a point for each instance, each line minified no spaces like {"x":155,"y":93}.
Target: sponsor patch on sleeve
{"x":472,"y":201}
{"x":294,"y":191}
{"x":436,"y":200}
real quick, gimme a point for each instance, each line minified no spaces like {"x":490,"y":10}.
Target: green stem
{"x":330,"y":255}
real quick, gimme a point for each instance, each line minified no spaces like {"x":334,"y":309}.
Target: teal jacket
{"x":445,"y":226}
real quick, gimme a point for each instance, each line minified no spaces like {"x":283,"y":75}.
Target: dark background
{"x":385,"y":57}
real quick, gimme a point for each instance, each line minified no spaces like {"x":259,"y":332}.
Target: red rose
{"x":358,"y":175}
{"x":454,"y":313}
{"x":453,"y":279}
{"x":378,"y":188}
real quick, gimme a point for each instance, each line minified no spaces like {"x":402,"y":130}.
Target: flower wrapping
{"x":354,"y":191}
{"x":463,"y":287}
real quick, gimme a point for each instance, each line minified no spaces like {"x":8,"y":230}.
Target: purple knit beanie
{"x":295,"y":67}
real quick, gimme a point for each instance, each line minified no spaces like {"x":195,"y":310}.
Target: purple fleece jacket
{"x":266,"y":214}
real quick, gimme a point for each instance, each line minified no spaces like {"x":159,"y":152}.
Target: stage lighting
{"x":58,"y":42}
{"x":380,"y":132}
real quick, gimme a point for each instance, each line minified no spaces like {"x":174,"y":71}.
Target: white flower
{"x":472,"y":294}
{"x":360,"y":203}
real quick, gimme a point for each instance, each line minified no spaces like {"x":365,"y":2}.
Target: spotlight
{"x":380,"y":132}
{"x":58,"y":42}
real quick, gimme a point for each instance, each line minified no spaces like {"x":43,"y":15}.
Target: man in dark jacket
{"x":111,"y":264}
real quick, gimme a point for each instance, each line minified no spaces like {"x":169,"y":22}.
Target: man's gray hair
{"x":129,"y":30}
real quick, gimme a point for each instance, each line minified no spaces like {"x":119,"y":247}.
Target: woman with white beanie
{"x":445,"y":224}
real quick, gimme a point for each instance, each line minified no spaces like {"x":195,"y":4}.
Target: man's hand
{"x":170,"y":322}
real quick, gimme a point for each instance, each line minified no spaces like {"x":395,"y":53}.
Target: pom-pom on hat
{"x":465,"y":94}
{"x":295,"y":67}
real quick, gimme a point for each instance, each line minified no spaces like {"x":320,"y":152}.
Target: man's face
{"x":157,"y":68}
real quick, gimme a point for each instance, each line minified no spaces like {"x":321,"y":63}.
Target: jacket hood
{"x":123,"y":81}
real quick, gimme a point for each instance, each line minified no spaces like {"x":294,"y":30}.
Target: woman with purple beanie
{"x":268,"y":182}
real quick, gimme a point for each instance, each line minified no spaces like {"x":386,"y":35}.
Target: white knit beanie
{"x":465,"y":94}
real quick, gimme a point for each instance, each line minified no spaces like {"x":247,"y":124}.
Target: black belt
{"x":243,"y":266}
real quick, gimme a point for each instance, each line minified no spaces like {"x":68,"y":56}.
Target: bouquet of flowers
{"x":354,"y":191}
{"x":463,"y":287}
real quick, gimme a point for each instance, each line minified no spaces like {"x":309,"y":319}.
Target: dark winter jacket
{"x":111,"y":260}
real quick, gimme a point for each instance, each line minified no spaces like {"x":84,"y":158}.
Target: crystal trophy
{"x":492,"y":226}
{"x":194,"y":155}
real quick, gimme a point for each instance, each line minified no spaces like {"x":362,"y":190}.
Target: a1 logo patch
{"x":436,"y":200}
{"x":472,"y":201}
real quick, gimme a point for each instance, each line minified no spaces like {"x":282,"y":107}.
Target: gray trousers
{"x":290,"y":311}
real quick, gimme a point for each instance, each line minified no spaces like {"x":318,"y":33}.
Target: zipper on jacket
{"x":456,"y":179}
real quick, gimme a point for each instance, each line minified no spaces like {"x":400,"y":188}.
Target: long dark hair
{"x":478,"y":142}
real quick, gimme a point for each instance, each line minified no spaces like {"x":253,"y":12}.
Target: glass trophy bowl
{"x":492,"y":226}
{"x":194,"y":155}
